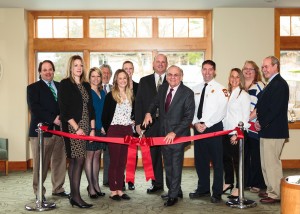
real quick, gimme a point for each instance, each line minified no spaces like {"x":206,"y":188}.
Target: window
{"x":181,"y":27}
{"x":60,"y":60}
{"x":287,"y":46}
{"x":59,"y":28}
{"x":115,"y":36}
{"x":120,"y":27}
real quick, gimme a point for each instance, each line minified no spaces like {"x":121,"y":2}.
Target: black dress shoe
{"x":62,"y":194}
{"x":115,"y":198}
{"x":101,"y":194}
{"x":166,"y":196}
{"x":199,"y":194}
{"x":125,"y":197}
{"x":154,"y":189}
{"x":131,"y":186}
{"x":232,"y":196}
{"x":215,"y":199}
{"x":74,"y":203}
{"x":230,"y":187}
{"x":171,"y":202}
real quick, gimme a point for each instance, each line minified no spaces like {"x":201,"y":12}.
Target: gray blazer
{"x":181,"y":110}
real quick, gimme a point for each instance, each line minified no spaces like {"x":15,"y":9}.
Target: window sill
{"x":294,"y":125}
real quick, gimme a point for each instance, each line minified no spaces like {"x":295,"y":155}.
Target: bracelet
{"x":93,"y":129}
{"x":77,"y":129}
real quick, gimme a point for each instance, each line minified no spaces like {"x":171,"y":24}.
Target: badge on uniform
{"x":225,"y":92}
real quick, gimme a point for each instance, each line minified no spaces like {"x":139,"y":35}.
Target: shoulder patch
{"x":225,"y":92}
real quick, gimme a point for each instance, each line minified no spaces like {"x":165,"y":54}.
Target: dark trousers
{"x":230,"y":161}
{"x":118,"y":156}
{"x":253,"y":164}
{"x":173,"y":161}
{"x":206,"y":150}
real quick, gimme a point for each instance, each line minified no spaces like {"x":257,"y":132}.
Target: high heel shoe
{"x":90,"y":195}
{"x":101,"y":194}
{"x":74,"y":203}
{"x":230,"y":187}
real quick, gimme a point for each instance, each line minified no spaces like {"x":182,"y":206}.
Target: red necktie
{"x":168,"y":100}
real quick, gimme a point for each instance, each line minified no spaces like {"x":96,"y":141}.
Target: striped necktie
{"x":104,"y":88}
{"x":52,"y":90}
{"x":159,"y":82}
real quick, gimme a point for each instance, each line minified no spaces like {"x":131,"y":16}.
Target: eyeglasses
{"x":173,"y":75}
{"x":248,"y":69}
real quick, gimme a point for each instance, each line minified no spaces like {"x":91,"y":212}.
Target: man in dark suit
{"x":147,"y":90}
{"x":176,"y":111}
{"x":272,"y":124}
{"x":106,"y":75}
{"x":43,"y":105}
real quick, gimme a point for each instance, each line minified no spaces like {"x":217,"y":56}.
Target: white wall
{"x":13,"y":107}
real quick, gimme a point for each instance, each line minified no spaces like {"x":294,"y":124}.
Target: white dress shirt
{"x":215,"y":102}
{"x":238,"y":109}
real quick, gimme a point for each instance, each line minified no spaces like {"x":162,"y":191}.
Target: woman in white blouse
{"x":238,"y":109}
{"x":116,"y":121}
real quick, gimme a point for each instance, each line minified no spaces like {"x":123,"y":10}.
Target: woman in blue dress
{"x":94,"y":149}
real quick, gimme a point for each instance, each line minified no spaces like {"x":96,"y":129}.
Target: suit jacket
{"x":70,"y":101}
{"x":180,"y":113}
{"x":42,"y":106}
{"x":272,"y":109}
{"x":145,"y":95}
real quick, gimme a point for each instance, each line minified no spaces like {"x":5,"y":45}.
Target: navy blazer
{"x":272,"y":107}
{"x":180,"y":113}
{"x":42,"y":106}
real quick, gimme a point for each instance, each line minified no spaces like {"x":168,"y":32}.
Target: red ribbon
{"x":145,"y":144}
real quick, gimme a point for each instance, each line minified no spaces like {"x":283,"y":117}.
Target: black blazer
{"x":144,"y":97}
{"x":42,"y":106}
{"x":70,"y":101}
{"x":180,"y":113}
{"x":108,"y":111}
{"x":272,"y":109}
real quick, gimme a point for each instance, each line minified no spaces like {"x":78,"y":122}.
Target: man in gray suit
{"x":106,"y":75}
{"x":176,"y":111}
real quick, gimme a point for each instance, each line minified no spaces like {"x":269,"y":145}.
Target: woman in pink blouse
{"x":116,"y":121}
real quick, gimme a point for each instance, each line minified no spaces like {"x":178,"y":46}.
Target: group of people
{"x":166,"y":107}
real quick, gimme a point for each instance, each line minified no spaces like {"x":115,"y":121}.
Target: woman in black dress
{"x":78,"y":117}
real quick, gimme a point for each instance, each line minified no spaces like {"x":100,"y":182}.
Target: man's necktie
{"x":168,"y":100}
{"x":104,"y":88}
{"x":200,"y":109}
{"x":52,"y":90}
{"x":159,"y":82}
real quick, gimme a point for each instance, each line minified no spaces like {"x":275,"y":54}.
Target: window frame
{"x":87,"y":44}
{"x":286,"y":42}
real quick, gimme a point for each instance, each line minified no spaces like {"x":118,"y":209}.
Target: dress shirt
{"x":238,"y":109}
{"x":156,"y":75}
{"x":173,"y":92}
{"x":215,"y":102}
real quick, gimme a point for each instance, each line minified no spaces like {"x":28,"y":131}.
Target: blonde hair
{"x":257,"y":76}
{"x":242,"y":80}
{"x":116,"y":91}
{"x":70,"y":66}
{"x":98,"y":71}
